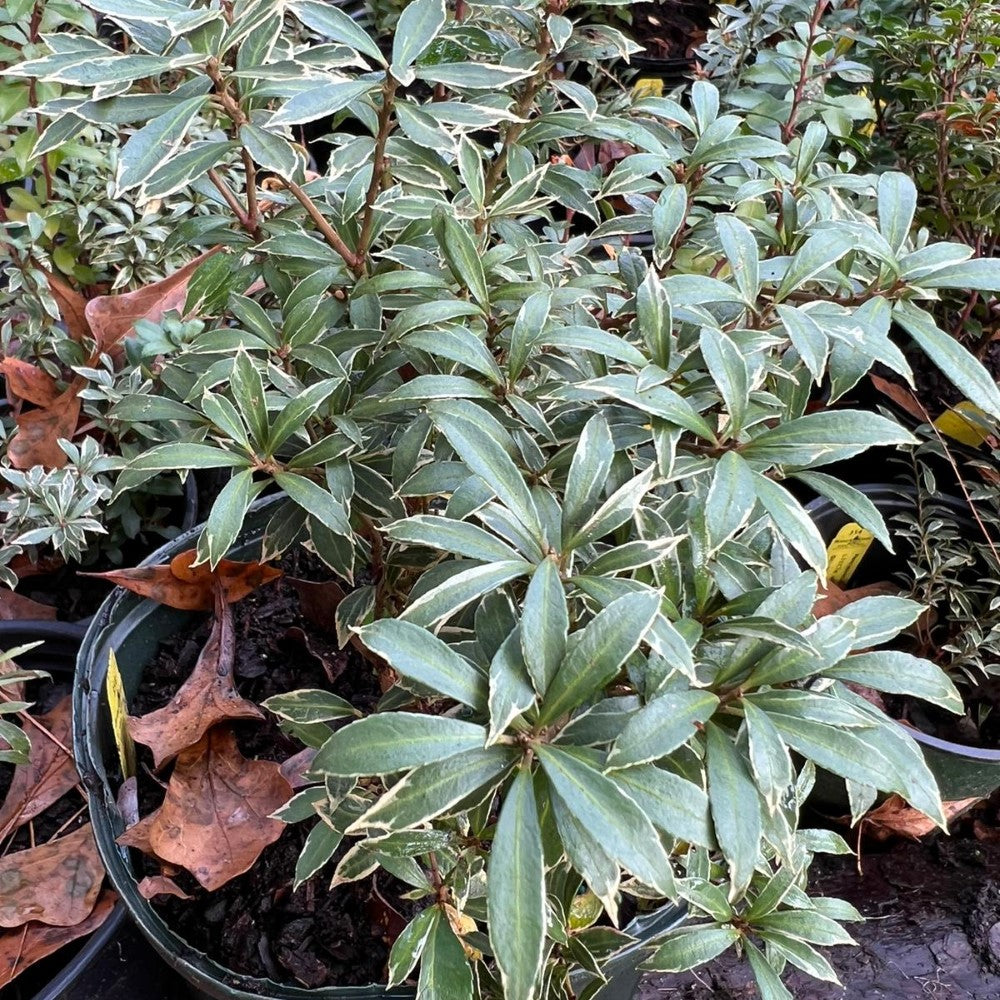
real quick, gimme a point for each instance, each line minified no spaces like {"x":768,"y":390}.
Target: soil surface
{"x":255,"y":924}
{"x":932,"y":929}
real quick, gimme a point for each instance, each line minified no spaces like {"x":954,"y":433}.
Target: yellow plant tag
{"x":965,"y":423}
{"x":647,"y":86}
{"x":119,"y":716}
{"x":845,"y":552}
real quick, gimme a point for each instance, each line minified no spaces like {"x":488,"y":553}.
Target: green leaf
{"x":545,"y":624}
{"x":736,"y":811}
{"x":599,"y":653}
{"x":395,"y":741}
{"x":248,"y":391}
{"x":445,"y":973}
{"x":900,"y":673}
{"x":528,"y":328}
{"x":511,"y":691}
{"x":652,"y":309}
{"x":320,"y":101}
{"x":689,"y":947}
{"x":416,"y":28}
{"x":826,"y":436}
{"x":271,"y":151}
{"x":588,"y":472}
{"x":769,"y":759}
{"x":964,"y":371}
{"x":818,"y":253}
{"x":673,"y":804}
{"x":441,"y":602}
{"x":878,"y":619}
{"x":421,"y":656}
{"x":461,"y":255}
{"x":807,"y":338}
{"x":769,"y":982}
{"x":668,"y":216}
{"x":409,"y":946}
{"x":155,"y":142}
{"x":792,"y":522}
{"x":310,"y":705}
{"x":516,"y":891}
{"x":851,"y":501}
{"x":661,"y":727}
{"x":731,"y":499}
{"x":297,"y":412}
{"x":330,"y":21}
{"x":182,"y":455}
{"x":620,"y":507}
{"x":981,"y":274}
{"x":225,"y":521}
{"x":728,"y":369}
{"x":471,"y":75}
{"x":316,"y":501}
{"x":801,"y":955}
{"x":741,"y":250}
{"x":449,"y":535}
{"x":476,"y":436}
{"x":319,"y":848}
{"x":588,"y":338}
{"x":457,"y":344}
{"x":897,"y":201}
{"x":806,"y":925}
{"x":430,"y":790}
{"x":587,"y":857}
{"x":183,"y":168}
{"x":609,"y":815}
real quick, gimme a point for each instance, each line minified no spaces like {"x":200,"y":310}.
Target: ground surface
{"x":933,"y":931}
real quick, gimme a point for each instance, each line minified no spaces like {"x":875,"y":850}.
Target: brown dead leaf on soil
{"x":901,"y":396}
{"x":112,"y":318}
{"x":56,"y":883}
{"x":205,"y":699}
{"x":137,"y":835}
{"x":215,"y":819}
{"x":72,"y":307}
{"x":319,"y":601}
{"x":21,"y":948}
{"x":27,"y":381}
{"x":179,"y":585}
{"x":16,"y":607}
{"x":159,"y":885}
{"x":48,"y":775}
{"x":895,"y":818}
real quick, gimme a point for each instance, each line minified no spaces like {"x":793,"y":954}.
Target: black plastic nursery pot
{"x":133,"y":628}
{"x":55,"y":977}
{"x":961,"y":771}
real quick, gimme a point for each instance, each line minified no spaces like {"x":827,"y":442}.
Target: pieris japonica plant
{"x":562,"y":461}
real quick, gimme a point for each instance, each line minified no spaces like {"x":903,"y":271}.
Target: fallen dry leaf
{"x":47,"y":776}
{"x":160,"y":885}
{"x":27,"y":381}
{"x":179,"y":585}
{"x":137,"y":835}
{"x":205,"y":699}
{"x":895,"y":818}
{"x":215,"y":819}
{"x":21,"y":948}
{"x":111,"y":318}
{"x":318,"y":601}
{"x":35,"y":442}
{"x":18,"y":608}
{"x":55,"y":883}
{"x":297,"y":767}
{"x":831,"y":599}
{"x":902,"y":397}
{"x":72,"y":307}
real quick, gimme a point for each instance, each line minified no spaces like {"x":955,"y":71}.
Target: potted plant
{"x":523,"y":462}
{"x":52,"y":937}
{"x":943,"y":555}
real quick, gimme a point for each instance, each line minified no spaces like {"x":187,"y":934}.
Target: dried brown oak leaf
{"x":29,"y":382}
{"x":16,"y":607}
{"x":56,"y":883}
{"x":21,"y":948}
{"x":834,"y":598}
{"x":36,"y":440}
{"x":72,"y":307}
{"x":47,"y":776}
{"x":159,"y":885}
{"x":192,"y":588}
{"x":111,"y":318}
{"x":216,"y":817}
{"x":895,"y":818}
{"x":205,"y":699}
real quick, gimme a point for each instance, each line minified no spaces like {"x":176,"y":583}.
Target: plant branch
{"x":379,"y":166}
{"x":332,"y":237}
{"x":232,"y":201}
{"x":788,"y":129}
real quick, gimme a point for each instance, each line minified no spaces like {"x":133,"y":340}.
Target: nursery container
{"x":133,"y":627}
{"x":961,"y":771}
{"x":55,"y":977}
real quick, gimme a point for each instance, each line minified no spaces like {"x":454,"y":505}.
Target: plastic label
{"x":119,"y":716}
{"x":647,"y":87}
{"x":845,"y":552}
{"x":965,"y":423}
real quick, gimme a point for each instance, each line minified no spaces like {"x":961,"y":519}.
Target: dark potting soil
{"x":932,"y":928}
{"x":256,"y":925}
